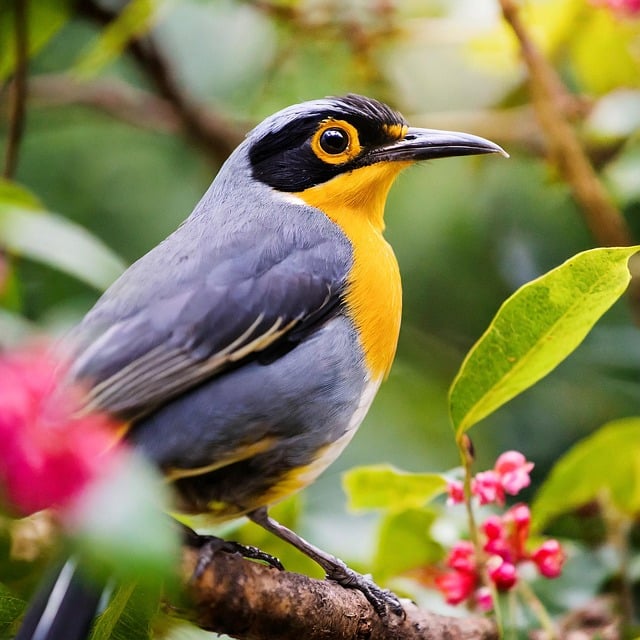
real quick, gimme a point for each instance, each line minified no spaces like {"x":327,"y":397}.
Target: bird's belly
{"x":300,"y":477}
{"x":261,"y":432}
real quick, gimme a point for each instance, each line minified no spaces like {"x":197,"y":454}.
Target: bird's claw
{"x":208,"y":546}
{"x":382,"y":600}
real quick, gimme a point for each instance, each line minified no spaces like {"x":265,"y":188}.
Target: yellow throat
{"x":355,"y":202}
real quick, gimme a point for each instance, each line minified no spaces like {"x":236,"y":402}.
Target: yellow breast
{"x":355,"y":201}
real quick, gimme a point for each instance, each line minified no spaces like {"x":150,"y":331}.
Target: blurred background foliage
{"x":132,"y":107}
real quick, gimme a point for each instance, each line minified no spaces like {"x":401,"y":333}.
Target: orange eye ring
{"x":336,"y":142}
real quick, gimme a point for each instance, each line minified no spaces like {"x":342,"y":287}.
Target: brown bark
{"x":251,"y":601}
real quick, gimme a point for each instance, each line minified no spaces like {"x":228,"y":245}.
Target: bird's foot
{"x":209,"y":546}
{"x":382,"y":600}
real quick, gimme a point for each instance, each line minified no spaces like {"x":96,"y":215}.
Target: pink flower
{"x":487,"y":485}
{"x":504,"y":537}
{"x":517,"y":521}
{"x":49,"y":451}
{"x":513,"y":469}
{"x":549,"y":558}
{"x":628,"y":8}
{"x":456,"y":586}
{"x":509,"y":475}
{"x":484,"y":599}
{"x":455,"y":489}
{"x":496,"y":537}
{"x":503,"y":574}
{"x":462,"y":557}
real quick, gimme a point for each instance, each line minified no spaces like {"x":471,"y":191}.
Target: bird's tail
{"x":64,"y":607}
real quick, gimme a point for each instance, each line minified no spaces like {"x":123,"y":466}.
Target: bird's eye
{"x":334,"y":140}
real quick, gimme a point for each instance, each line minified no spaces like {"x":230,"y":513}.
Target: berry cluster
{"x":504,"y":538}
{"x":509,"y":475}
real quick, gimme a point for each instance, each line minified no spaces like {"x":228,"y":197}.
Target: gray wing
{"x":186,"y":312}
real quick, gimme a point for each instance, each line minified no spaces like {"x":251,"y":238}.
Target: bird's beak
{"x":427,"y":144}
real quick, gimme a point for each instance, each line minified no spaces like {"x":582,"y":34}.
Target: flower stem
{"x":465,"y":448}
{"x":540,"y":611}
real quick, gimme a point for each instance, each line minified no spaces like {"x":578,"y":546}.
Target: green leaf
{"x":55,"y":241}
{"x":134,"y":20}
{"x":11,"y":608}
{"x":534,"y":330}
{"x":384,"y":487}
{"x":605,"y":465}
{"x":405,"y":542}
{"x":128,"y":615}
{"x":12,"y":193}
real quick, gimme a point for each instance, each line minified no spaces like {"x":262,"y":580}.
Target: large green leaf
{"x":384,"y":487}
{"x":535,"y":329}
{"x":27,"y":229}
{"x":605,"y":465}
{"x":405,"y":542}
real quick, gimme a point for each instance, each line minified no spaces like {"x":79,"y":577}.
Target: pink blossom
{"x":462,"y":557}
{"x":483,"y":599}
{"x":493,"y":527}
{"x":628,"y":8}
{"x":504,"y":538}
{"x":502,"y":573}
{"x":487,"y":486}
{"x":455,"y":489}
{"x":456,"y":586}
{"x":496,"y":537}
{"x":549,"y":558}
{"x":513,"y":469}
{"x":517,"y":521}
{"x":49,"y":451}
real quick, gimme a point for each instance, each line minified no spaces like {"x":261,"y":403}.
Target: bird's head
{"x":346,"y":152}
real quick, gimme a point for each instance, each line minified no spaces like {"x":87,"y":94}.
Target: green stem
{"x":466,"y":454}
{"x":540,"y":611}
{"x":618,"y":528}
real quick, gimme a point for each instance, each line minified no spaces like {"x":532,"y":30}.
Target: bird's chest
{"x":374,"y":299}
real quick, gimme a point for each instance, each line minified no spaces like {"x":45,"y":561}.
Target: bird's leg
{"x":208,"y":546}
{"x":336,"y":569}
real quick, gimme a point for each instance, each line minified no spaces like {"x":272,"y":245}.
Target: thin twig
{"x":605,"y":222}
{"x":214,"y":134}
{"x":17,"y":104}
{"x":111,"y":96}
{"x":534,"y":603}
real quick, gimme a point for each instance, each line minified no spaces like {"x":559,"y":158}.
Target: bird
{"x":242,"y":353}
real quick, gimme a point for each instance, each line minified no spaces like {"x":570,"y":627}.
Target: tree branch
{"x":114,"y":97}
{"x":549,"y":95}
{"x":213,"y":133}
{"x":18,"y":93}
{"x":251,"y":601}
